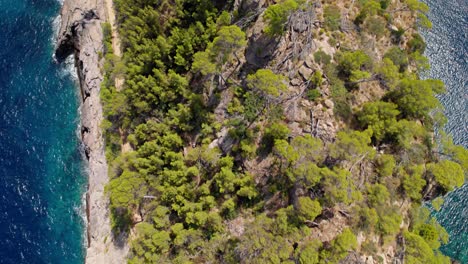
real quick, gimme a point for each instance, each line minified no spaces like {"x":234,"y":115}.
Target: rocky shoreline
{"x":81,"y":35}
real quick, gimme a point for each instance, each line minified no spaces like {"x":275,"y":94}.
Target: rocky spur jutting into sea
{"x":447,"y":49}
{"x":41,"y":170}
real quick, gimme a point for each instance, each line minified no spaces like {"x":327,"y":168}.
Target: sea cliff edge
{"x":81,"y":36}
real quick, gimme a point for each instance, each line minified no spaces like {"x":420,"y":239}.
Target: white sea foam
{"x":69,"y":67}
{"x":55,"y":28}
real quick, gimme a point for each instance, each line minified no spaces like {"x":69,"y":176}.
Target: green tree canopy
{"x":380,"y":117}
{"x":415,"y":98}
{"x":447,"y":173}
{"x":308,"y":209}
{"x":277,"y":16}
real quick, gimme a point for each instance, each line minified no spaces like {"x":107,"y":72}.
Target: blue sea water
{"x":41,"y":171}
{"x":447,"y":49}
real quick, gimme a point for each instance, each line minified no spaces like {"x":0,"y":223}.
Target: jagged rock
{"x":300,"y":23}
{"x":248,"y":5}
{"x":301,"y":116}
{"x":318,"y":107}
{"x":306,"y":103}
{"x":137,"y":218}
{"x":81,"y":35}
{"x":329,"y":103}
{"x":295,"y":129}
{"x":309,"y":62}
{"x":295,"y":82}
{"x":305,"y":73}
{"x":223,"y":142}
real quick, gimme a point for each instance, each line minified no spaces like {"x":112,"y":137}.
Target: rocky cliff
{"x":80,"y":35}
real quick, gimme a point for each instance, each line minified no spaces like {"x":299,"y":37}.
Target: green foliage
{"x":298,"y":161}
{"x":313,"y":94}
{"x":419,"y":61}
{"x":380,"y":117}
{"x":259,"y":245}
{"x":202,"y":63}
{"x":418,"y":251}
{"x":267,"y":83}
{"x":228,"y":41}
{"x":377,"y":195}
{"x":415,"y":98}
{"x":388,"y":73}
{"x":398,"y":57}
{"x":368,"y":8}
{"x":340,"y":246}
{"x":413,"y":182}
{"x":375,"y":26}
{"x":277,"y":16}
{"x":417,"y":44}
{"x":338,"y":186}
{"x":389,"y":221}
{"x":267,"y":90}
{"x":385,"y":165}
{"x":211,"y":147}
{"x":366,"y":218}
{"x":322,"y":58}
{"x":353,"y":65}
{"x":332,"y":16}
{"x":150,"y":245}
{"x":310,"y":253}
{"x":447,"y":174}
{"x":127,"y":190}
{"x":455,"y":152}
{"x":417,"y":6}
{"x":316,"y":79}
{"x":352,"y":145}
{"x":273,"y":132}
{"x":437,"y":203}
{"x":308,"y":209}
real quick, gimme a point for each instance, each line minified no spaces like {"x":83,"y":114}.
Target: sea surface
{"x":447,"y":49}
{"x":42,"y":177}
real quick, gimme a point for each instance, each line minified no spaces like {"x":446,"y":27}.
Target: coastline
{"x":81,"y":35}
{"x":446,"y":52}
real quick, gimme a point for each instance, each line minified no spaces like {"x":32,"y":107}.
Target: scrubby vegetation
{"x":213,"y":170}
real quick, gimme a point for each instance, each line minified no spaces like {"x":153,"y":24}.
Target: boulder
{"x":309,"y":62}
{"x":295,"y":82}
{"x":305,"y":73}
{"x":329,"y":103}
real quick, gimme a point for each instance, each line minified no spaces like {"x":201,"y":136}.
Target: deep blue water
{"x":447,"y":51}
{"x":41,"y":170}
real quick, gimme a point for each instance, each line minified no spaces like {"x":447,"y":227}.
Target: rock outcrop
{"x":81,"y":35}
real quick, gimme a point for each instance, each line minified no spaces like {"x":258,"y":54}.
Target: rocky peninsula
{"x":81,"y":35}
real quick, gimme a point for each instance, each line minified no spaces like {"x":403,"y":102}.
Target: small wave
{"x":55,"y":28}
{"x":84,"y":218}
{"x":68,"y":69}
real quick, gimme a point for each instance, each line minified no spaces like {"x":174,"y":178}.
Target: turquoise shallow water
{"x":41,"y":170}
{"x":447,"y":50}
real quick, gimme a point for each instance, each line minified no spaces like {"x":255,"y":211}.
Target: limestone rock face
{"x":81,"y":35}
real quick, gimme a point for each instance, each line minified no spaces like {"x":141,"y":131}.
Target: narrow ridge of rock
{"x":81,"y":35}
